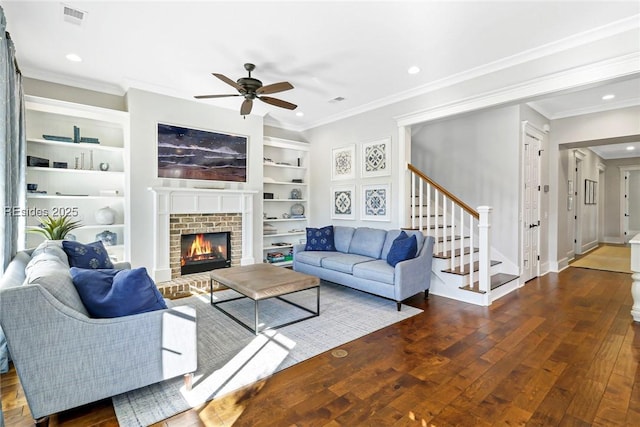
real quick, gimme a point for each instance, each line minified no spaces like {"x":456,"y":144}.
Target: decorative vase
{"x":105,"y":216}
{"x":108,"y":238}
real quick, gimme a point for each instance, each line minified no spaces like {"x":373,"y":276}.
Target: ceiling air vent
{"x":73,"y":15}
{"x":336,"y":99}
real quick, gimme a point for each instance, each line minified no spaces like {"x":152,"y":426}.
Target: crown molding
{"x":73,"y":81}
{"x":586,"y":110}
{"x":590,"y":36}
{"x":590,"y":74}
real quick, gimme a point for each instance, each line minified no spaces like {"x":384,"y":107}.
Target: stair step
{"x":465,"y":270}
{"x":456,"y":253}
{"x":497,"y":280}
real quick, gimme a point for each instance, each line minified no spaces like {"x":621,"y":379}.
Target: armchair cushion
{"x":108,"y":293}
{"x":91,"y":255}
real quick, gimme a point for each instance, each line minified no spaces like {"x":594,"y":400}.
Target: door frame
{"x":624,"y":228}
{"x":533,"y":131}
{"x":578,"y":156}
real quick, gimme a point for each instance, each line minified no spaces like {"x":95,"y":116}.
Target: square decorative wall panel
{"x":376,"y":202}
{"x":376,"y":159}
{"x":343,"y":202}
{"x":343,"y":163}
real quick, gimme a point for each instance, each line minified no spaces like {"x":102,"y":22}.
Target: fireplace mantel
{"x":172,"y":200}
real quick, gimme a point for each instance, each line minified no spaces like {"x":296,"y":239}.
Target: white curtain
{"x":12,"y":150}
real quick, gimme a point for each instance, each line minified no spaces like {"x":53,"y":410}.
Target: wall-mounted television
{"x":186,"y":153}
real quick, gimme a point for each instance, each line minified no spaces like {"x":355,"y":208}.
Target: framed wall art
{"x":376,"y":202}
{"x":185,"y":153}
{"x":376,"y":160}
{"x":343,"y":163}
{"x":343,"y":204}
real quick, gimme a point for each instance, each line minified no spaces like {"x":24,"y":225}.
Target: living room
{"x":580,"y":57}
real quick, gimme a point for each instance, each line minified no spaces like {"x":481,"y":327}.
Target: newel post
{"x":484,"y":247}
{"x":635,"y":277}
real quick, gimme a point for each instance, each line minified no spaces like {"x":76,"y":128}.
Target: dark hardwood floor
{"x":561,"y":351}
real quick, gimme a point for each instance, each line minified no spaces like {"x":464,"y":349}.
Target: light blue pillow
{"x":90,"y":255}
{"x":402,"y":249}
{"x":320,"y":239}
{"x":108,"y":293}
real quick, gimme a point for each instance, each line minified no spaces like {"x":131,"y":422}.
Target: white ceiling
{"x":359,"y":50}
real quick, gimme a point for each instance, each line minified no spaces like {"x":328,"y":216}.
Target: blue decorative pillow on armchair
{"x":108,"y":293}
{"x":90,"y":255}
{"x":320,"y":239}
{"x":402,"y":249}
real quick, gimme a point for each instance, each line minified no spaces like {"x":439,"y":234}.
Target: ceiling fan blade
{"x":214,"y":96}
{"x":246,"y":107}
{"x":278,"y":102}
{"x":228,"y":81}
{"x":274,"y":88}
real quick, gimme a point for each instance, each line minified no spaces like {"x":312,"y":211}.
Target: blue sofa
{"x":65,"y":358}
{"x":360,"y":262}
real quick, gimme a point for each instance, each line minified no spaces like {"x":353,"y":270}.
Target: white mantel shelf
{"x":183,"y":200}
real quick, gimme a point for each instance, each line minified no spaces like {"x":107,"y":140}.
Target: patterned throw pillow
{"x":320,"y":239}
{"x":91,"y":255}
{"x":402,"y":249}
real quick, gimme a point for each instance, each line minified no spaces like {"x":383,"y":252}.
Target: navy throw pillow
{"x":402,"y":249}
{"x":90,"y":255}
{"x":320,"y":239}
{"x":108,"y":293}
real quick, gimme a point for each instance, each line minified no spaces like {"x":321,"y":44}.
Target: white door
{"x":531,"y":210}
{"x":632,"y":204}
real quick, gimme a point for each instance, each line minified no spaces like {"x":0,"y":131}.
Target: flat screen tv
{"x":185,"y":153}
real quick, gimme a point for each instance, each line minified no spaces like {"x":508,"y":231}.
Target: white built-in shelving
{"x":284,"y":162}
{"x":78,"y":185}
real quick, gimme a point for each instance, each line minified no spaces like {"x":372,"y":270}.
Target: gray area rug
{"x":231,"y":357}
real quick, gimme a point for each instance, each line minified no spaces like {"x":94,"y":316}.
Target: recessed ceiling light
{"x":608,"y":97}
{"x":413,"y":70}
{"x":299,"y":114}
{"x":631,"y":148}
{"x":73,"y":57}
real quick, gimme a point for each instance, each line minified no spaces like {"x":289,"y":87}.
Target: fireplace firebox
{"x":204,"y":252}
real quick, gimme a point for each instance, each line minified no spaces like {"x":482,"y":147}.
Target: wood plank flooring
{"x":561,"y":351}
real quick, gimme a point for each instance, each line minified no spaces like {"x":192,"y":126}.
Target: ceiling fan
{"x":252,"y":89}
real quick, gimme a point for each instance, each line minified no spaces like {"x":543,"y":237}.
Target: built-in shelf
{"x":275,"y":165}
{"x":284,"y":219}
{"x":282,"y":263}
{"x":56,"y":196}
{"x":295,"y":233}
{"x":81,"y":145}
{"x":101,"y":227}
{"x":273,"y":248}
{"x":285,"y":200}
{"x":70,"y":170}
{"x":284,"y":183}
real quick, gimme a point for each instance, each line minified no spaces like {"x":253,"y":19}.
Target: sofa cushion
{"x":368,"y":242}
{"x":53,"y":248}
{"x":342,"y":237}
{"x":378,"y":270}
{"x":91,"y":255}
{"x":320,"y":239}
{"x":312,"y":257}
{"x":402,"y":249}
{"x":393,"y":234}
{"x":52,"y":274}
{"x":344,"y":263}
{"x":111,"y":293}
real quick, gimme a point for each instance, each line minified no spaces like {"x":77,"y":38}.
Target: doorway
{"x":530,"y":252}
{"x":631,"y":202}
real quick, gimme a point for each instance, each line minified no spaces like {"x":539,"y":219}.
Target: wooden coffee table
{"x":263,"y":281}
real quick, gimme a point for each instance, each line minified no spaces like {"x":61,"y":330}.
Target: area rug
{"x":608,"y":258}
{"x":231,"y":357}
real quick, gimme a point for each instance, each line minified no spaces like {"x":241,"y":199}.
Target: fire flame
{"x":200,"y":246}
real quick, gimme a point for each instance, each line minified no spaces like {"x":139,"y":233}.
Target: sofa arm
{"x":65,"y":359}
{"x":414,"y":275}
{"x":299,"y":247}
{"x":122,"y":265}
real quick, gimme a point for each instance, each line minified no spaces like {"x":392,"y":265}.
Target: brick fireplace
{"x":190,"y":210}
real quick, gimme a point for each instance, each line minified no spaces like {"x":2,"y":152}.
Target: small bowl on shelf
{"x":32,"y":187}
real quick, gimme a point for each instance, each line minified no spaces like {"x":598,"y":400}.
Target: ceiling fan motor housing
{"x":250,"y":84}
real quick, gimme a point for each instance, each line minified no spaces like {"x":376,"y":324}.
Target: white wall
{"x":146,"y":110}
{"x":477,"y":158}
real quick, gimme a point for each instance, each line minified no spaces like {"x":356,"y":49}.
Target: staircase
{"x":463,"y":264}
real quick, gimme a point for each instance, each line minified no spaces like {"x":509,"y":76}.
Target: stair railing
{"x":457,"y":236}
